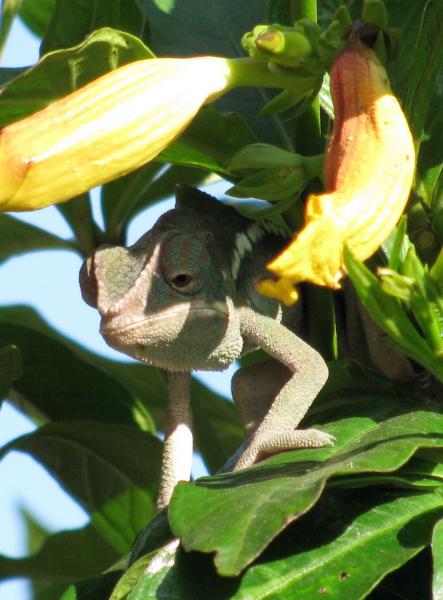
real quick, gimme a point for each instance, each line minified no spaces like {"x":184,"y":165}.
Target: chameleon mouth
{"x":124,"y":324}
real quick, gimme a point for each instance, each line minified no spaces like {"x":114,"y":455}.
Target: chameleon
{"x":183,"y":298}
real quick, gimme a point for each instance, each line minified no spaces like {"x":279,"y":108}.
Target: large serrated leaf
{"x":248,"y":509}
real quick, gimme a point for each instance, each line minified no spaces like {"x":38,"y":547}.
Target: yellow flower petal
{"x":103,"y":130}
{"x":369,"y":170}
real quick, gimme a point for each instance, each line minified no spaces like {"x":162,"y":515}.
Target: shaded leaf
{"x":112,"y":471}
{"x":158,"y":189}
{"x":9,"y":10}
{"x":60,"y":72}
{"x":17,"y":237}
{"x":156,"y":534}
{"x":191,"y":28}
{"x":156,"y":576}
{"x":210,"y":141}
{"x":264,"y":499}
{"x":10,"y":368}
{"x":96,"y":588}
{"x":73,"y":20}
{"x":359,"y":538}
{"x":9,"y":73}
{"x":36,"y":15}
{"x":425,"y":66}
{"x":78,"y":215}
{"x":128,"y":392}
{"x":120,"y":197}
{"x":404,"y":582}
{"x":437,"y":553}
{"x":64,"y":557}
{"x":389,"y":314}
{"x":59,"y":385}
{"x":357,"y":544}
{"x":220,"y":26}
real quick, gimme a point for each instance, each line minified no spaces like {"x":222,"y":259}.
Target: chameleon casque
{"x":183,"y":298}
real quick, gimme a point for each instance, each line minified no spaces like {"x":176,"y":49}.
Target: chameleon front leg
{"x":277,"y":430}
{"x":178,"y":447}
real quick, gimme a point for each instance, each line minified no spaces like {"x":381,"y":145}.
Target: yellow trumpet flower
{"x":369,"y":169}
{"x":105,"y":129}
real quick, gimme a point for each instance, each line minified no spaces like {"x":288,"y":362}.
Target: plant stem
{"x":319,"y":308}
{"x":304,"y":9}
{"x":248,"y":72}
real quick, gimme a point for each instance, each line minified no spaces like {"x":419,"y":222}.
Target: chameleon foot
{"x":274,"y":444}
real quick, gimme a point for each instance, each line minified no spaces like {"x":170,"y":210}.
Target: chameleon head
{"x":164,"y":300}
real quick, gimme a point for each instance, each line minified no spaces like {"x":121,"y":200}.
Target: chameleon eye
{"x":185,"y":263}
{"x":182,"y":280}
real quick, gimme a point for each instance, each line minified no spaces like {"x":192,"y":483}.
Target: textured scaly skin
{"x":369,"y":170}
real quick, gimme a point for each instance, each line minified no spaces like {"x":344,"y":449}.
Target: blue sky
{"x":49,"y":282}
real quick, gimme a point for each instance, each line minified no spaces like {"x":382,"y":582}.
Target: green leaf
{"x":112,"y":470}
{"x":264,"y":156}
{"x":400,"y":246}
{"x":107,"y":390}
{"x":359,"y":538}
{"x":220,"y":26}
{"x":73,"y":20}
{"x":59,"y":385}
{"x":170,"y":574}
{"x":60,"y":72}
{"x":388,"y":313}
{"x":64,"y":557}
{"x":18,"y":237}
{"x":264,"y":499}
{"x":271,"y":184}
{"x":351,"y":552}
{"x":96,"y":588}
{"x":120,"y":197}
{"x":9,"y":10}
{"x":7,"y":74}
{"x":10,"y":368}
{"x":437,"y":553}
{"x":37,"y":15}
{"x":425,"y":67}
{"x":210,"y":141}
{"x":190,"y":28}
{"x":124,"y":198}
{"x":78,"y":215}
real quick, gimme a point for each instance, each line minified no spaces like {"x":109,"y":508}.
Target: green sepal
{"x":262,"y":156}
{"x":271,"y":184}
{"x":305,"y":47}
{"x":282,"y":102}
{"x":436,"y":271}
